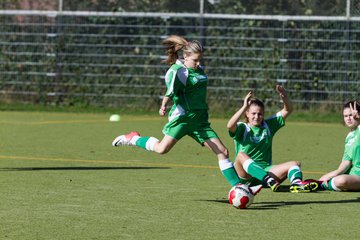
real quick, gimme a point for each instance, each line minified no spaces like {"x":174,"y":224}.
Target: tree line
{"x":263,"y":7}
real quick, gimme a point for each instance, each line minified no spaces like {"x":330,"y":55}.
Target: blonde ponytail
{"x":173,"y":44}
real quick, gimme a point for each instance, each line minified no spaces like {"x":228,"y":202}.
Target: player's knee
{"x":242,"y":157}
{"x":161,"y":149}
{"x":218,"y":149}
{"x":225,"y":151}
{"x":295,"y":163}
{"x":340,"y":182}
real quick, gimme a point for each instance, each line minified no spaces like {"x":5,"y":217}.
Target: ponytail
{"x":173,"y":44}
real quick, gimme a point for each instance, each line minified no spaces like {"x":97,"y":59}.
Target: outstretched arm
{"x":231,"y":125}
{"x":288,"y":108}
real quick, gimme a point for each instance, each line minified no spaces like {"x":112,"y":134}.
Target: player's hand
{"x":325,"y":179}
{"x":246,"y":99}
{"x":281,"y":91}
{"x":162,"y":111}
{"x":354,"y":111}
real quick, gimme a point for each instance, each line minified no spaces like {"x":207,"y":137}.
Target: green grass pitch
{"x":60,"y":178}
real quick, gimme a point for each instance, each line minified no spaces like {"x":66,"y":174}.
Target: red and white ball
{"x":240,"y":196}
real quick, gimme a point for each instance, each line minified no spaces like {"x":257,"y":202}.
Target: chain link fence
{"x":114,"y":59}
{"x":354,"y":8}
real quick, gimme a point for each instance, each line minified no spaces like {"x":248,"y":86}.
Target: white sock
{"x":334,"y":186}
{"x":297,"y":170}
{"x":151,"y":143}
{"x":134,"y":139}
{"x":225,"y":164}
{"x":247,"y":163}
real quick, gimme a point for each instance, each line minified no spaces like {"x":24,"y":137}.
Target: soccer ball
{"x":241,"y":196}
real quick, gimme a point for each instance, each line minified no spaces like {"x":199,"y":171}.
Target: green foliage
{"x":108,"y":61}
{"x":263,"y":7}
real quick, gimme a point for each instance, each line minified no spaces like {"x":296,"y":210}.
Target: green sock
{"x":294,"y":174}
{"x":146,"y":142}
{"x":141,"y":142}
{"x":254,"y":170}
{"x":229,"y":172}
{"x":330,"y":186}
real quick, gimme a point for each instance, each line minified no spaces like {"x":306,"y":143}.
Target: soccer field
{"x":61,"y":179}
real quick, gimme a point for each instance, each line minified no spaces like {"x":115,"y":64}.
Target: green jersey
{"x":256,"y":141}
{"x":352,"y":151}
{"x":187,"y":88}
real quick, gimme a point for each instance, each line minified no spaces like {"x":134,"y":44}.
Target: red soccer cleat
{"x":124,"y":140}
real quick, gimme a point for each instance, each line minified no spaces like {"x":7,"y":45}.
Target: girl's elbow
{"x":231,"y":129}
{"x":288,"y":110}
{"x":230,"y":126}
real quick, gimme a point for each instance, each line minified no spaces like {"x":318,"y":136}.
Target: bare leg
{"x":279,"y":171}
{"x":247,"y":167}
{"x":226,"y":166}
{"x":240,"y":159}
{"x":165,"y":145}
{"x":347,"y":182}
{"x":218,"y":148}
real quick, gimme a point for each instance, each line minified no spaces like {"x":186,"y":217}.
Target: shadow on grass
{"x":263,"y":207}
{"x":286,"y":189}
{"x":78,"y":168}
{"x":276,"y":205}
{"x":285,"y":203}
{"x":282,"y":189}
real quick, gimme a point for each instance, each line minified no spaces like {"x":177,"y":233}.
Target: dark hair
{"x":347,"y":105}
{"x":254,"y":102}
{"x":173,"y":44}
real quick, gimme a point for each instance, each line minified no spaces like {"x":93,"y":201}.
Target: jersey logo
{"x":257,"y":139}
{"x":200,"y":78}
{"x":351,"y":141}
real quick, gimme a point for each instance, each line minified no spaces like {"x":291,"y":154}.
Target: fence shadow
{"x":276,"y":205}
{"x":78,"y":168}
